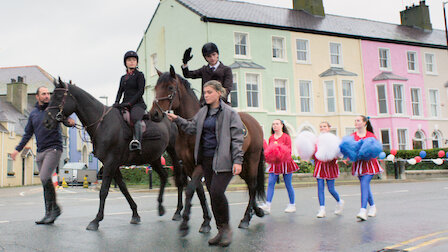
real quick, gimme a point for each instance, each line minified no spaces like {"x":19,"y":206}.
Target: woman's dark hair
{"x":368,"y":124}
{"x":284,"y":129}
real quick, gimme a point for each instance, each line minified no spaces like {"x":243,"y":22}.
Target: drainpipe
{"x":2,"y":155}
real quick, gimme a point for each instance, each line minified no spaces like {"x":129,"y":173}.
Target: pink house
{"x":395,"y":94}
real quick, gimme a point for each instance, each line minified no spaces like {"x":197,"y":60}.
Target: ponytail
{"x":368,"y":124}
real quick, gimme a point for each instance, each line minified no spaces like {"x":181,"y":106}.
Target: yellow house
{"x":329,"y":78}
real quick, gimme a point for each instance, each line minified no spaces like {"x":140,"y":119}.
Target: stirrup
{"x":135,"y":145}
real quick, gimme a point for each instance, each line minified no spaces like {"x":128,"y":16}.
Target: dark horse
{"x":174,"y":92}
{"x":110,"y":137}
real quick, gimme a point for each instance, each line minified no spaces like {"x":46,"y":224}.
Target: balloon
{"x":422,"y":154}
{"x":438,"y":161}
{"x":441,"y":154}
{"x":382,"y":155}
{"x":447,"y":154}
{"x":412,"y":161}
{"x":390,"y":157}
{"x":393,"y":152}
{"x":162,"y":159}
{"x":418,"y":159}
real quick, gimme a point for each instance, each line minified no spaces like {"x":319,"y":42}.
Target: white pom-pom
{"x":327,"y":147}
{"x":306,"y":145}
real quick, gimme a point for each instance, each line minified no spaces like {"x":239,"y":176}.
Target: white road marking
{"x":22,"y":194}
{"x":3,"y":221}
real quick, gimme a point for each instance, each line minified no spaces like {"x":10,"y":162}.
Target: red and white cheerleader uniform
{"x":365,"y":167}
{"x":326,"y":170}
{"x":289,"y":166}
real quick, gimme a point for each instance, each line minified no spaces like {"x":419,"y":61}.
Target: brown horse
{"x":174,"y":92}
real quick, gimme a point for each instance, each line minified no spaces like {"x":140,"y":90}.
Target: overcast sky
{"x":85,"y":40}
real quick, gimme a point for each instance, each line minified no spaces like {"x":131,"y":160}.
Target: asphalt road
{"x":411,"y":216}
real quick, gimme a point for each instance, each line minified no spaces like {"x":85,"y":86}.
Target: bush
{"x":138,"y":176}
{"x":408,"y":154}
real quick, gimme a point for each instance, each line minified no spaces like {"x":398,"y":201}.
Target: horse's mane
{"x":166,"y":77}
{"x":78,"y":89}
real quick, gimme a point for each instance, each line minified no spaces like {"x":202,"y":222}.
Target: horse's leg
{"x":244,"y":223}
{"x":189,"y":192}
{"x":119,"y":179}
{"x":205,"y":226}
{"x":107,"y":179}
{"x":157,"y":166}
{"x":179,"y":179}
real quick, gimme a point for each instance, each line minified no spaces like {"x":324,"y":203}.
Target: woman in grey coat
{"x":218,"y":149}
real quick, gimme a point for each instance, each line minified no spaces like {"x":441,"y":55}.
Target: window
{"x":382,"y":99}
{"x":252,"y":90}
{"x":385,"y":139}
{"x":415,"y":100}
{"x":347,"y":95}
{"x":154,"y":63}
{"x":430,"y":63}
{"x":11,"y":128}
{"x":278,"y":48}
{"x":280,"y":95}
{"x":402,"y":139}
{"x":35,"y":167}
{"x":334,"y":131}
{"x":412,"y":61}
{"x":234,"y":92}
{"x":303,"y":53}
{"x":434,"y":102}
{"x":241,"y":44}
{"x":305,"y":95}
{"x":10,"y":166}
{"x":349,"y":131}
{"x":436,"y":140}
{"x":336,"y":54}
{"x":398,"y":98}
{"x":384,"y":58}
{"x":330,"y":96}
{"x":419,"y":141}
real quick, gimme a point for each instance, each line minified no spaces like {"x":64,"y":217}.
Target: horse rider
{"x":214,"y":70}
{"x":132,"y":84}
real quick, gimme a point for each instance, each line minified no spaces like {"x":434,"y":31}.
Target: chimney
{"x":313,"y":7}
{"x":416,"y":16}
{"x":17,"y":94}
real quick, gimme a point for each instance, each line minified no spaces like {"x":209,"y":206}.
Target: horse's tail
{"x":259,"y":189}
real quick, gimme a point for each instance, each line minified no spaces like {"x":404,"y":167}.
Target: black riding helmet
{"x":128,"y":55}
{"x":209,"y":48}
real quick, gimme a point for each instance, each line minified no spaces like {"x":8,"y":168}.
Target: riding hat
{"x":209,"y":48}
{"x":130,"y":54}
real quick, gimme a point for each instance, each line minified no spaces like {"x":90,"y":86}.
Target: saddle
{"x":147,"y":126}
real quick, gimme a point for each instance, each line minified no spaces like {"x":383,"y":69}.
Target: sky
{"x":84,"y":40}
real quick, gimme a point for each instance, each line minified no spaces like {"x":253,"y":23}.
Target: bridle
{"x":169,"y":97}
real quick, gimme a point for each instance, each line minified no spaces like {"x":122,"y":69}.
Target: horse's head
{"x":167,"y":94}
{"x":62,"y":104}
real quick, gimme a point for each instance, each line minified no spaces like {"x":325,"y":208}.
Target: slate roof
{"x":389,"y":76}
{"x":34,"y":76}
{"x":10,"y":114}
{"x":241,"y":13}
{"x":336,"y":71}
{"x":245,"y":64}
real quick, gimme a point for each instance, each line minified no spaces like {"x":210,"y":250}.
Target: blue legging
{"x":288,"y":183}
{"x":366,"y":193}
{"x":321,"y":190}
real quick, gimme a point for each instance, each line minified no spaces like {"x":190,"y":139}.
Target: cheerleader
{"x":364,"y":152}
{"x":278,"y":155}
{"x":326,"y":167}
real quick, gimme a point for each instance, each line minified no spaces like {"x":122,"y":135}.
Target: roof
{"x":245,"y":64}
{"x":241,"y":13}
{"x":388,"y":76}
{"x":10,"y":114}
{"x":3,"y":129}
{"x":336,"y":71}
{"x":75,"y":166}
{"x":34,"y":77}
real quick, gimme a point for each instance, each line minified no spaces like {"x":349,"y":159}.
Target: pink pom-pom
{"x":277,"y":153}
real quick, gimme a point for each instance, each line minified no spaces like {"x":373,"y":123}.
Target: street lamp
{"x":104,"y":97}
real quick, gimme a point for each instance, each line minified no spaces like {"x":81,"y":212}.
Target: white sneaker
{"x":339,"y":207}
{"x":321,"y":213}
{"x":372,"y":211}
{"x":266,"y":207}
{"x":291,"y":208}
{"x":362,"y":215}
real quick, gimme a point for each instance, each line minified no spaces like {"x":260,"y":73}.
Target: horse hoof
{"x":259,"y":212}
{"x":183,"y":229}
{"x":177,"y":217}
{"x":93,"y":226}
{"x":135,"y":220}
{"x":244,"y":225}
{"x":161,"y":210}
{"x":205,"y":229}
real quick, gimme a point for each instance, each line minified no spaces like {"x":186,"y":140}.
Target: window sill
{"x":241,"y":56}
{"x":280,"y":60}
{"x":303,"y":62}
{"x":413,"y":72}
{"x":432,"y":73}
{"x":386,"y":69}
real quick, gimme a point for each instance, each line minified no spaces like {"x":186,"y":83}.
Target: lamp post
{"x":104,"y":97}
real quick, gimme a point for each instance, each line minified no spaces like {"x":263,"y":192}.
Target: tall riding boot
{"x":136,"y":143}
{"x":55,"y":211}
{"x":217,"y":239}
{"x":47,"y":206}
{"x":226,"y":235}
